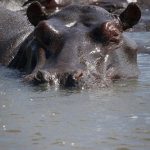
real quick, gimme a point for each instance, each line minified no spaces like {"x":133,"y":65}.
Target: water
{"x":116,"y":118}
{"x":142,"y":39}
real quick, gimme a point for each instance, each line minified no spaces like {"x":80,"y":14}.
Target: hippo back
{"x":14,"y":28}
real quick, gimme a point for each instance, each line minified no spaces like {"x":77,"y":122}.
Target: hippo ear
{"x":130,"y":16}
{"x":36,"y":13}
{"x":108,"y":31}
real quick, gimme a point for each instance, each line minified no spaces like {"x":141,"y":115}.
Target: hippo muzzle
{"x":79,"y":44}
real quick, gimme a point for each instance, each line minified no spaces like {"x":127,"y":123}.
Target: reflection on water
{"x":142,"y":39}
{"x":116,"y":118}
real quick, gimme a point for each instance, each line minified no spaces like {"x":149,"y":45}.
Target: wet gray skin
{"x":14,"y":28}
{"x":78,"y":45}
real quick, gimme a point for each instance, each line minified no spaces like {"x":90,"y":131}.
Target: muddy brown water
{"x":48,"y":118}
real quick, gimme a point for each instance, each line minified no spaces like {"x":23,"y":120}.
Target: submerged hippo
{"x":109,"y":5}
{"x":79,"y":44}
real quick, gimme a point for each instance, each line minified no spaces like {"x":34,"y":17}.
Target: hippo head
{"x":79,"y":44}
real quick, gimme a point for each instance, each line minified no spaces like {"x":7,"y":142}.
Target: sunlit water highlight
{"x":35,"y":118}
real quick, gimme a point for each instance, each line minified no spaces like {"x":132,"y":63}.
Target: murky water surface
{"x":116,"y":118}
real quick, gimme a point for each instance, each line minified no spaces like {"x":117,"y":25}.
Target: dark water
{"x":116,"y":118}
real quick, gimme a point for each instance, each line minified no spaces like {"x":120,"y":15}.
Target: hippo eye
{"x":107,"y":32}
{"x":49,"y":37}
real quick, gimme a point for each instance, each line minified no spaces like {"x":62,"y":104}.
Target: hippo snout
{"x":63,"y":79}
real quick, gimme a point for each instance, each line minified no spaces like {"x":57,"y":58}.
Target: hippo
{"x":109,"y":5}
{"x":14,"y":28}
{"x":77,"y":46}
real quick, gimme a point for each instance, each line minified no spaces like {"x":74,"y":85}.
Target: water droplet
{"x":53,"y":114}
{"x":31,"y":99}
{"x":82,"y":88}
{"x":3,"y":106}
{"x":72,"y":144}
{"x":133,"y":117}
{"x":63,"y":142}
{"x":4,"y":127}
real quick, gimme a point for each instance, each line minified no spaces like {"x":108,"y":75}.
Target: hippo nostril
{"x":70,"y":82}
{"x":71,"y":79}
{"x":42,"y":76}
{"x":67,"y":80}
